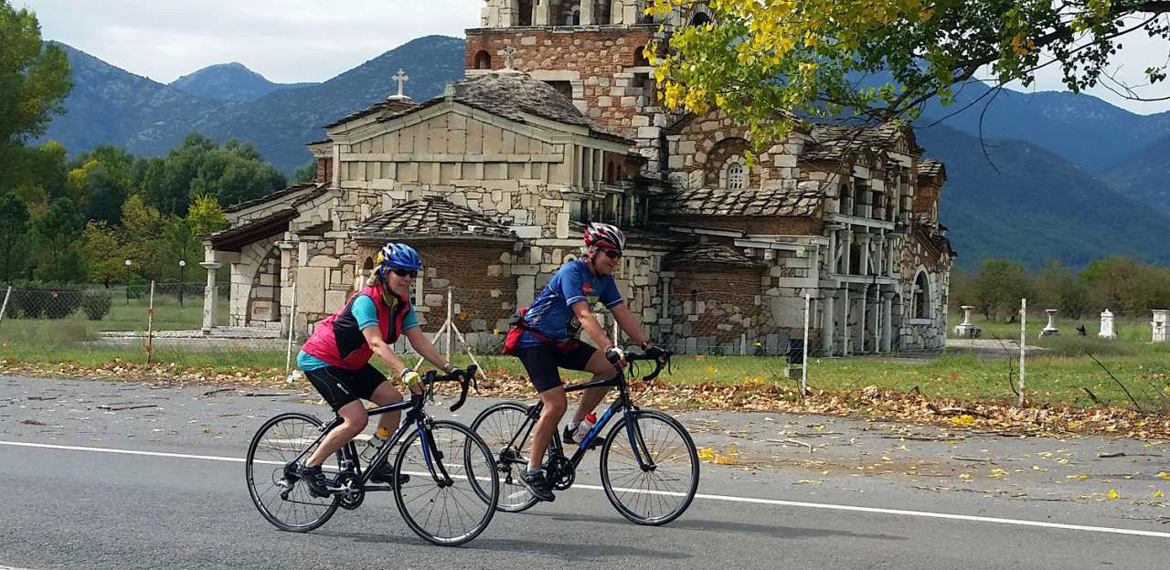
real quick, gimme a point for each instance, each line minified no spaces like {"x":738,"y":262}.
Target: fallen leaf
{"x":998,"y":473}
{"x":808,"y":482}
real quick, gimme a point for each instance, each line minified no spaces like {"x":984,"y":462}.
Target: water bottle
{"x":375,"y":444}
{"x":586,"y":425}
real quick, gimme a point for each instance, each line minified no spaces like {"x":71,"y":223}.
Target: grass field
{"x":1058,"y":374}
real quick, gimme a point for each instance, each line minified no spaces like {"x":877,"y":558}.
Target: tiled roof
{"x":269,"y":198}
{"x":389,"y":107}
{"x":719,"y":202}
{"x":635,"y":237}
{"x":431,"y":216}
{"x":931,"y":168}
{"x":832,"y":142}
{"x":706,"y":253}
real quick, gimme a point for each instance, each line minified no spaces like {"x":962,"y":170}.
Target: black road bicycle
{"x":449,"y":499}
{"x":649,"y":466}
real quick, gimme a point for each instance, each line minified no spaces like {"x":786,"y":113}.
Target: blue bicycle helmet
{"x":397,"y":255}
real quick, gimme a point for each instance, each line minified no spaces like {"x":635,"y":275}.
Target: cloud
{"x":284,"y":40}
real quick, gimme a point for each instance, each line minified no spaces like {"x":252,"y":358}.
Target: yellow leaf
{"x":1158,"y":494}
{"x":998,"y":473}
{"x":1164,"y":475}
{"x":964,"y":420}
{"x":706,"y":454}
{"x":1113,"y":495}
{"x":1079,"y":476}
{"x":1062,"y":461}
{"x":965,"y":476}
{"x":808,"y":482}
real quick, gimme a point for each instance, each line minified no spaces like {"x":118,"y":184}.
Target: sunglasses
{"x":612,"y":253}
{"x":403,"y":272}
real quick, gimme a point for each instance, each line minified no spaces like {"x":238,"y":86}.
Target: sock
{"x":531,"y":470}
{"x":573,"y":426}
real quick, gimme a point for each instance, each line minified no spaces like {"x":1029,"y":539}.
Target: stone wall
{"x":265,"y":296}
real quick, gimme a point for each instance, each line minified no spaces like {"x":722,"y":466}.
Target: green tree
{"x":34,"y":80}
{"x":765,"y":61}
{"x":55,"y":238}
{"x":100,"y":182}
{"x":103,"y":255}
{"x":1059,"y":289}
{"x":142,"y":226}
{"x":1000,"y":284}
{"x":305,"y":174}
{"x":13,"y":229}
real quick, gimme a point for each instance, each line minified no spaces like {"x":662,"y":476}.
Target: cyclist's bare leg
{"x":384,"y":395}
{"x":546,"y":427}
{"x":354,"y":420}
{"x":601,"y":369}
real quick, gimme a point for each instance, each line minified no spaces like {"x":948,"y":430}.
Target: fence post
{"x":292,"y":323}
{"x":804,"y":360}
{"x":4,"y":307}
{"x":150,"y":324}
{"x":1023,"y":340}
{"x":450,"y":320}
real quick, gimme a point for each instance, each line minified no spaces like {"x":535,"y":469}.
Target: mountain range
{"x":1058,"y":175}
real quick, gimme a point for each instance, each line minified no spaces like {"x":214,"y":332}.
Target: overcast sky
{"x":289,"y":41}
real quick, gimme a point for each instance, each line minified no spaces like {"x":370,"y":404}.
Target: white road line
{"x":726,"y":498}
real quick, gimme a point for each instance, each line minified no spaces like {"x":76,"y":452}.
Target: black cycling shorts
{"x":542,"y":362}
{"x":340,"y":386}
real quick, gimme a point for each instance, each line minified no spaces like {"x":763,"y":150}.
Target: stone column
{"x":861,"y":330}
{"x":832,"y":264}
{"x":846,"y":251}
{"x":209,"y":295}
{"x":543,"y":12}
{"x":863,"y":240}
{"x":845,"y":323}
{"x":891,"y":243}
{"x":587,"y":12}
{"x":827,"y":322}
{"x":876,"y":318}
{"x":887,"y":320}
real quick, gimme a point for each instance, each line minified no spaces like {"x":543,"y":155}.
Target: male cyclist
{"x":546,"y":340}
{"x":336,"y":358}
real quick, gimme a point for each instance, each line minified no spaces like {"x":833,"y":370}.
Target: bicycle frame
{"x":414,"y":419}
{"x":623,"y":403}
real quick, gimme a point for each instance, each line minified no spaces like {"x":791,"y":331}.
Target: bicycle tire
{"x":497,"y":432}
{"x":464,"y":445}
{"x":650,"y":488}
{"x":283,"y":449}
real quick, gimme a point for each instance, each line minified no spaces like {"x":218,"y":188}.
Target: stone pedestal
{"x":1161,"y":325}
{"x":967,"y":329}
{"x":1050,"y":328}
{"x":1107,"y":325}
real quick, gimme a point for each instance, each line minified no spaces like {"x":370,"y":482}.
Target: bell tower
{"x":589,"y":50}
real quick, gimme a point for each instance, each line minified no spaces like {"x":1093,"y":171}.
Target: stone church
{"x":557,"y":124}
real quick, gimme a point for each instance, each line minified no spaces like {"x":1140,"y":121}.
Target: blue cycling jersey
{"x":551,"y":314}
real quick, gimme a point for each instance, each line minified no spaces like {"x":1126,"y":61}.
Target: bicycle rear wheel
{"x":657,"y":495}
{"x":279,"y":495}
{"x":497,"y":425}
{"x":441,"y":512}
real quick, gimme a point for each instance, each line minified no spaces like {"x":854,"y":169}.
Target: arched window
{"x":922,"y":297}
{"x":736,"y":177}
{"x":574,"y":19}
{"x":483,"y":60}
{"x":700,"y":18}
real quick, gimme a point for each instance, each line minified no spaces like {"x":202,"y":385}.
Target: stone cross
{"x":509,"y":57}
{"x":1107,"y":325}
{"x":401,"y":78}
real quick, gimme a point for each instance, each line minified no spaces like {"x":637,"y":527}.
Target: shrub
{"x":61,"y":302}
{"x":96,"y":304}
{"x":138,"y":287}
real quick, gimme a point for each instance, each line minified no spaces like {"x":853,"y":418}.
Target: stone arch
{"x":921,"y":290}
{"x":700,"y":18}
{"x":483,"y":60}
{"x":734,"y":174}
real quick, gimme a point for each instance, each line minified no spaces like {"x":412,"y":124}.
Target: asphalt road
{"x":162,"y":486}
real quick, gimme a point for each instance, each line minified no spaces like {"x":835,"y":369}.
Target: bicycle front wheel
{"x":449,"y":509}
{"x":279,"y":496}
{"x":657,"y":489}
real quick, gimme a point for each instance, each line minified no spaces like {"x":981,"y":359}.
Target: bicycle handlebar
{"x":661,"y":361}
{"x":464,"y":377}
